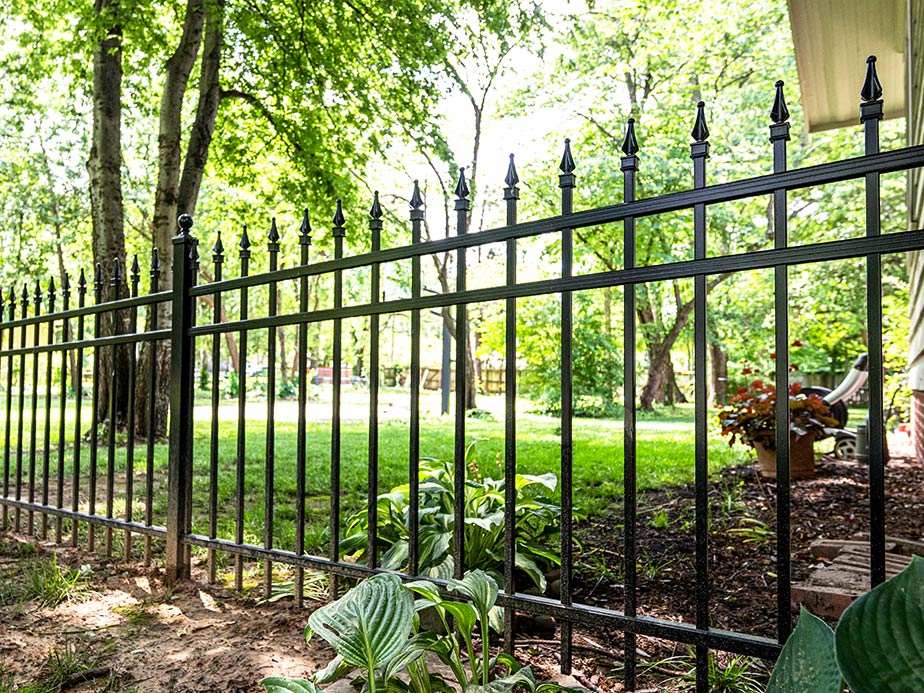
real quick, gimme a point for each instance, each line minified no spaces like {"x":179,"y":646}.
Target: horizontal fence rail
{"x":88,"y":371}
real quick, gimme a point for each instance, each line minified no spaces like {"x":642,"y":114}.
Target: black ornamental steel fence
{"x":37,"y":482}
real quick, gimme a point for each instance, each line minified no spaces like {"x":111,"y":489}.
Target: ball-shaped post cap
{"x":185,"y":222}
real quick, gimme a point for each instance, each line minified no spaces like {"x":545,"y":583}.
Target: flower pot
{"x":801,"y":458}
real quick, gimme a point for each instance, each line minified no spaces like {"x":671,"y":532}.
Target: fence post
{"x":181,"y":421}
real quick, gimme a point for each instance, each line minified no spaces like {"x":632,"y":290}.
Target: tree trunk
{"x":719,"y":380}
{"x":177,"y":192}
{"x":104,"y":167}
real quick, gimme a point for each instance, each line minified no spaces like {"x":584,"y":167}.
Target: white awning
{"x":833,"y":39}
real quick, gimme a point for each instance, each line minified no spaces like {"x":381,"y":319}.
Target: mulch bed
{"x":742,"y":564}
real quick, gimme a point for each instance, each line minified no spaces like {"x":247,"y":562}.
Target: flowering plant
{"x":751,"y":414}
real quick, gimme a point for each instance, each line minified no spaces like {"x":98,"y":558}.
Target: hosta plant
{"x":877,"y":646}
{"x":538,"y":517}
{"x":374,"y":628}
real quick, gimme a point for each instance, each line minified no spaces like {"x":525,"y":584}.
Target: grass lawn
{"x":665,"y":456}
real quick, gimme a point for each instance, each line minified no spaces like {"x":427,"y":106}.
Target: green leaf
{"x":880,"y":637}
{"x":370,"y":624}
{"x":523,"y":677}
{"x":479,"y":587}
{"x":335,"y":670}
{"x":529,"y":566}
{"x":807,"y":661}
{"x":280,"y":684}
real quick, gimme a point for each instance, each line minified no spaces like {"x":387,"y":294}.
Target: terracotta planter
{"x":801,"y":458}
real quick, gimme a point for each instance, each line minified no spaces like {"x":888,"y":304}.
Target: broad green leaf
{"x":280,"y":684}
{"x":335,"y":670}
{"x":479,"y":587}
{"x":523,"y":677}
{"x":425,"y":589}
{"x":549,"y":480}
{"x":496,"y":619}
{"x":529,"y":566}
{"x":464,"y":614}
{"x":807,"y":662}
{"x":370,"y":624}
{"x":880,"y":637}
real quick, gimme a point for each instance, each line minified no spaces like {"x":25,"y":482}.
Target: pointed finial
{"x":98,"y":277}
{"x":376,"y":210}
{"x":339,"y":219}
{"x":12,"y":297}
{"x":38,"y":292}
{"x":512,"y":178}
{"x":136,"y":268}
{"x":245,"y":240}
{"x":567,"y":161}
{"x":305,"y":228}
{"x":416,"y":199}
{"x":779,"y":113}
{"x":218,"y":250}
{"x":66,"y":285}
{"x":116,"y":278}
{"x":82,"y":282}
{"x":155,"y":261}
{"x":51,"y":287}
{"x":462,"y":190}
{"x":274,"y":234}
{"x":194,"y":253}
{"x":872,"y":89}
{"x":700,"y":131}
{"x":185,"y":222}
{"x":25,"y":295}
{"x":629,"y":142}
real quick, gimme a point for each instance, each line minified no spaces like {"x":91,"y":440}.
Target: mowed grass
{"x":664,"y":456}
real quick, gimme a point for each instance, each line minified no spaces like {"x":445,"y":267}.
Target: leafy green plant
{"x":753,"y":531}
{"x":537,"y":524}
{"x":375,"y":628}
{"x":878,"y":644}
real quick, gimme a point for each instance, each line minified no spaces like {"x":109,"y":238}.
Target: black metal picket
{"x":177,"y":532}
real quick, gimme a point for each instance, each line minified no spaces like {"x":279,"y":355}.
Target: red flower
{"x":797,"y":343}
{"x":794,"y":366}
{"x":773,"y":354}
{"x":746,"y":371}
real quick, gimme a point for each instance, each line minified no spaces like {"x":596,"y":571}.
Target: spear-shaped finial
{"x":629,"y":142}
{"x":155,"y":262}
{"x":700,"y":131}
{"x":376,"y":210}
{"x":512,"y":178}
{"x":339,"y":219}
{"x":25,"y":296}
{"x":98,"y":278}
{"x":185,"y":222}
{"x":567,"y":161}
{"x":779,"y":113}
{"x":462,"y":190}
{"x":218,"y":250}
{"x":65,"y":286}
{"x":872,"y":89}
{"x":38,"y":292}
{"x":116,"y":278}
{"x":194,"y":254}
{"x":136,"y":268}
{"x":51,"y":287}
{"x":416,"y":199}
{"x":82,"y":282}
{"x":305,"y":229}
{"x":273,"y":235}
{"x":244,"y":245}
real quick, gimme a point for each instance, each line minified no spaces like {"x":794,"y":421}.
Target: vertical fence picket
{"x":94,"y":406}
{"x":151,"y":429}
{"x":130,"y":410}
{"x":78,"y":400}
{"x":629,"y":167}
{"x":375,"y":231}
{"x":244,"y":255}
{"x":115,"y":286}
{"x":699,"y":152}
{"x":9,"y":404}
{"x":46,"y":447}
{"x":62,"y":411}
{"x":779,"y":135}
{"x":270,"y":469}
{"x":567,"y":182}
{"x":33,"y":421}
{"x":301,"y":445}
{"x":413,"y":558}
{"x":218,"y":259}
{"x":870,"y":115}
{"x":339,"y":232}
{"x":462,"y":208}
{"x":24,"y":308}
{"x":511,"y":195}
